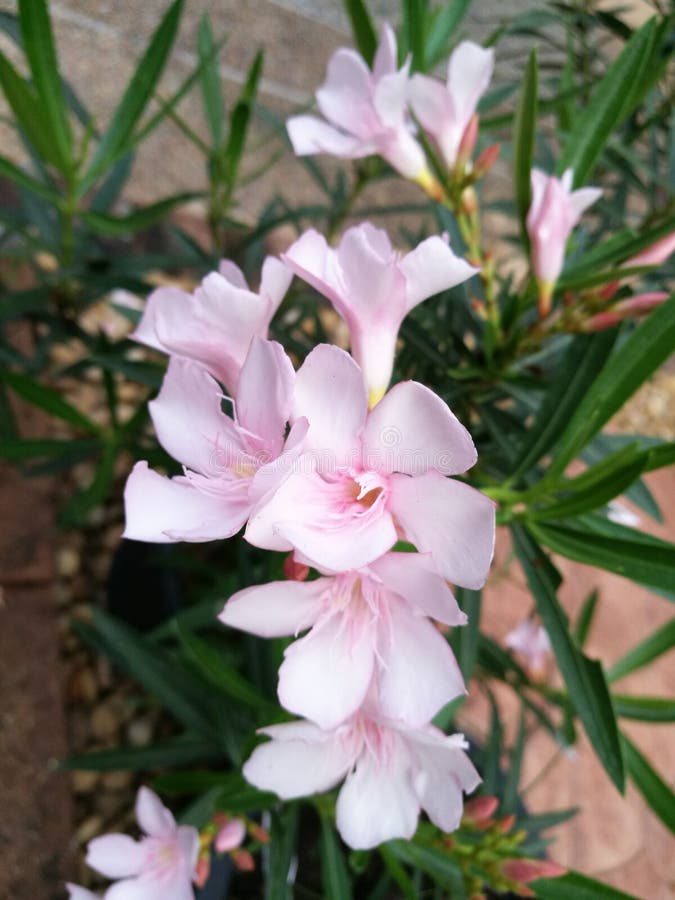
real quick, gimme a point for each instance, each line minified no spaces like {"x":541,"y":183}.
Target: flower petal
{"x":265,"y":396}
{"x":432,"y":267}
{"x":412,"y":430}
{"x":418,"y":673}
{"x":345,"y":97}
{"x":152,"y":816}
{"x":116,"y":855}
{"x":75,"y":892}
{"x":310,"y":135}
{"x":275,"y":609}
{"x":296,"y":768}
{"x":163,"y":510}
{"x":385,"y":61}
{"x":445,"y":771}
{"x":190,"y":395}
{"x":377,"y":802}
{"x":325,"y":676}
{"x":414,"y":577}
{"x":469,"y":72}
{"x":448,"y":519}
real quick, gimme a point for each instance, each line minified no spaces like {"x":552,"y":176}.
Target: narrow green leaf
{"x":543,"y":821}
{"x":397,"y":873}
{"x":334,"y":873}
{"x":577,"y":886}
{"x":20,"y":177}
{"x":137,"y":94}
{"x":525,"y":130}
{"x":24,"y":105}
{"x":145,"y":217}
{"x":212,"y":92}
{"x":439,"y":865}
{"x":38,"y":45}
{"x":82,"y":502}
{"x":113,"y":185}
{"x":611,"y":103}
{"x":645,"y":709}
{"x":467,"y":635}
{"x":658,"y":643}
{"x":21,"y":450}
{"x":660,"y":456}
{"x":585,"y":619}
{"x":181,"y":751}
{"x":445,"y":23}
{"x":47,"y":399}
{"x":650,"y":563}
{"x":414,"y":26}
{"x":582,"y":363}
{"x":280,"y":853}
{"x":363,"y":29}
{"x":510,"y":792}
{"x":656,"y":792}
{"x":584,"y":677}
{"x":640,"y":355}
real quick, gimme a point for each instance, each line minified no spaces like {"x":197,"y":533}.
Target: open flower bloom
{"x":75,"y":892}
{"x":220,"y":455}
{"x":373,"y":288}
{"x":367,"y":112}
{"x":158,"y":867}
{"x":367,"y":478}
{"x":445,"y":111}
{"x":391,"y":772}
{"x":553,"y":213}
{"x":366,"y":626}
{"x":215,"y":324}
{"x":531,"y":641}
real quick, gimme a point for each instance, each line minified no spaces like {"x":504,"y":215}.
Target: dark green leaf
{"x":523,"y":141}
{"x":180,"y":751}
{"x":445,"y":23}
{"x":19,"y":176}
{"x":439,"y":865}
{"x":363,"y":29}
{"x":576,"y":886}
{"x":656,"y":792}
{"x":543,"y":821}
{"x":645,"y":709}
{"x":239,"y":123}
{"x":21,"y":450}
{"x":642,"y":353}
{"x":583,"y":677}
{"x":658,"y":643}
{"x":212,"y":93}
{"x":650,"y":563}
{"x":281,"y":850}
{"x":47,"y":399}
{"x":82,"y":502}
{"x":113,"y":185}
{"x":585,"y":618}
{"x":612,"y":101}
{"x":467,"y":635}
{"x":509,"y":799}
{"x":137,"y":94}
{"x":414,"y":22}
{"x":334,"y":873}
{"x":119,"y":226}
{"x":38,"y":44}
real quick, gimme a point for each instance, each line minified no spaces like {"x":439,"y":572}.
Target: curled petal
{"x":152,"y":816}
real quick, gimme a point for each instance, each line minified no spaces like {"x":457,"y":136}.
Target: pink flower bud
{"x":486,"y":160}
{"x":468,"y":142}
{"x":294,"y":570}
{"x":230,"y":835}
{"x":655,"y":255}
{"x":480,"y":810}
{"x":243,"y":860}
{"x":634,"y":307}
{"x":258,"y":833}
{"x":202,"y":871}
{"x":524,"y":870}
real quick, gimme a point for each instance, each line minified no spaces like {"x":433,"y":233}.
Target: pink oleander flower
{"x":447,"y":111}
{"x":531,"y":641}
{"x":220,"y":455}
{"x":390,"y":773}
{"x":367,"y":628}
{"x":374,"y":287}
{"x":367,"y":112}
{"x":632,"y":308}
{"x":654,"y":255}
{"x":160,"y":866}
{"x":554,"y":211}
{"x":366,"y":479}
{"x":75,"y":892}
{"x":215,"y":324}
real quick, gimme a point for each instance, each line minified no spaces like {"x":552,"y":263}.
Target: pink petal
{"x":432,"y":267}
{"x":230,"y":836}
{"x":377,"y":803}
{"x":390,"y":98}
{"x":469,"y":72}
{"x":330,"y":394}
{"x":580,"y":200}
{"x":116,"y":855}
{"x":419,"y":673}
{"x":345,"y":97}
{"x":299,"y":767}
{"x":310,"y":135}
{"x":276,"y":609}
{"x":232,"y":273}
{"x":75,"y":892}
{"x":413,"y":577}
{"x":371,"y":287}
{"x":385,"y":61}
{"x":275,"y":280}
{"x":163,"y":510}
{"x":325,"y":676}
{"x":431,"y":103}
{"x":190,"y":395}
{"x":445,"y":771}
{"x":150,"y":889}
{"x":152,"y":816}
{"x":265,"y":395}
{"x":448,"y":519}
{"x":314,"y":261}
{"x":412,"y":430}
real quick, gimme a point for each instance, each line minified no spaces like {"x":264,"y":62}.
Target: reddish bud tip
{"x":524,"y":870}
{"x":243,"y":860}
{"x":258,"y":833}
{"x":506,"y":824}
{"x":202,"y":871}
{"x":293,"y":570}
{"x":486,"y":160}
{"x":468,"y":142}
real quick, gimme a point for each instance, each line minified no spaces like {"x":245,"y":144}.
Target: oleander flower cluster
{"x":332,"y":466}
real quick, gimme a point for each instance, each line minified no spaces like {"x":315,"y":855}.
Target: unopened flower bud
{"x":525,"y":870}
{"x":243,"y":860}
{"x":479,"y":811}
{"x":655,"y":255}
{"x":230,"y":835}
{"x":258,"y":833}
{"x":467,"y":143}
{"x":293,"y":570}
{"x":486,"y":160}
{"x":634,"y":307}
{"x":202,"y":871}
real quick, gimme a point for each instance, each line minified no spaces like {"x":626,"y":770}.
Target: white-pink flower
{"x":367,"y":112}
{"x":215,"y":324}
{"x":445,"y":111}
{"x":160,"y":866}
{"x":366,"y":479}
{"x":374,"y":287}
{"x":368,"y":631}
{"x":390,"y":773}
{"x":531,"y":641}
{"x":75,"y":892}
{"x":220,"y":455}
{"x":553,"y":213}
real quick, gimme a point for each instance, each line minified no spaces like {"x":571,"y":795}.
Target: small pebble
{"x":139,"y":732}
{"x":84,"y":782}
{"x":89,"y":829}
{"x":104,"y":723}
{"x":67,"y":562}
